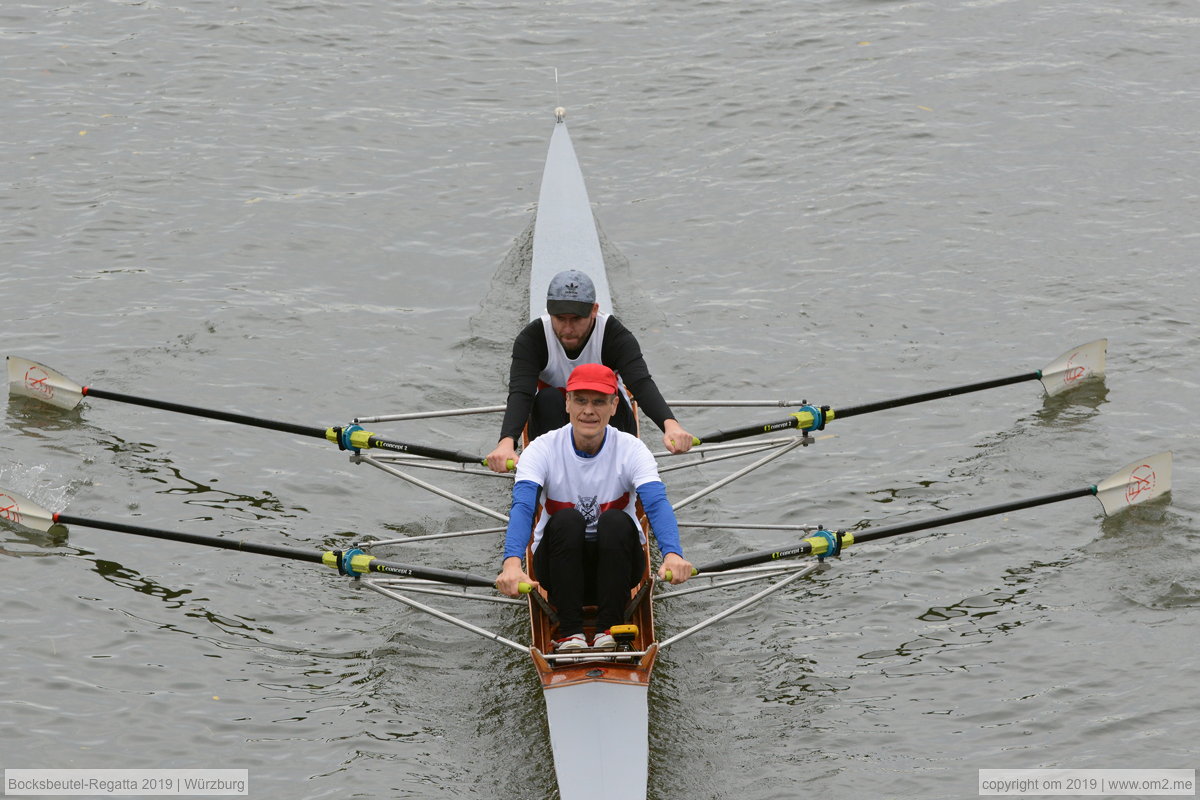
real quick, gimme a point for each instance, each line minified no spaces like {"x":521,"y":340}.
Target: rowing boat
{"x":597,"y":707}
{"x":596,"y":703}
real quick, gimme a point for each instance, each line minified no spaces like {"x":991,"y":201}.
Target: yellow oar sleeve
{"x":356,"y":439}
{"x":359,"y":562}
{"x":807,"y":419}
{"x":821,"y":545}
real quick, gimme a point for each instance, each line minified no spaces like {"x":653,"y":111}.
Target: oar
{"x":31,"y":379}
{"x":1136,"y":482}
{"x":1063,"y":373}
{"x":23,"y":511}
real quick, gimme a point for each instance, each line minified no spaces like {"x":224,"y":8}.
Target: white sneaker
{"x":576,"y":641}
{"x":604,"y":641}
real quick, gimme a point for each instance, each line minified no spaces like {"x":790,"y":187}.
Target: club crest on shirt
{"x":590,"y":508}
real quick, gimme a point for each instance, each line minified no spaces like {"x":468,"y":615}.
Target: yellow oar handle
{"x":696,"y":441}
{"x":669,"y":576}
{"x":522,"y":587}
{"x":510,"y":465}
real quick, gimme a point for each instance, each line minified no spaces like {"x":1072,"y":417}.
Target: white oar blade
{"x":1074,"y":367}
{"x":1136,"y":482}
{"x":22,"y":511}
{"x":31,"y":379}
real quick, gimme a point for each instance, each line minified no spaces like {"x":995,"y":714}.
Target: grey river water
{"x":312,"y":211}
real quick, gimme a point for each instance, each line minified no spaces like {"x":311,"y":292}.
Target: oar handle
{"x":669,"y":576}
{"x":522,"y":587}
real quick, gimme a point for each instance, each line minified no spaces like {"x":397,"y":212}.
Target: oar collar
{"x":346,"y":438}
{"x":345,"y":561}
{"x":811,"y":418}
{"x":833,"y":544}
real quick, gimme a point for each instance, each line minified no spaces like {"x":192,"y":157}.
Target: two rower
{"x":575,"y":331}
{"x":587,"y":544}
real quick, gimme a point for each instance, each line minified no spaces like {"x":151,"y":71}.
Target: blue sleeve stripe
{"x":520,"y":518}
{"x":662,"y":517}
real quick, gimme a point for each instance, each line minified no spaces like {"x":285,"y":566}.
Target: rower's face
{"x":571,"y":329}
{"x":590,"y":411}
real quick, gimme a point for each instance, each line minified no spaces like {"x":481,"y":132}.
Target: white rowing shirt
{"x":593,"y":485}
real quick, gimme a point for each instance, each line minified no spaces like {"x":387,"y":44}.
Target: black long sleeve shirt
{"x":619,"y":352}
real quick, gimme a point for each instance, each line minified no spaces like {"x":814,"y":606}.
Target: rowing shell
{"x":596,"y":705}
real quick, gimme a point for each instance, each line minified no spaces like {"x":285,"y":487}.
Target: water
{"x":306,"y":212}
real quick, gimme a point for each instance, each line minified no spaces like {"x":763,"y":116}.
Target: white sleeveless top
{"x":558,"y":366}
{"x":593,"y":485}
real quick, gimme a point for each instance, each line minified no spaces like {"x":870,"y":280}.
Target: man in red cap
{"x":587,"y":544}
{"x":575,"y":331}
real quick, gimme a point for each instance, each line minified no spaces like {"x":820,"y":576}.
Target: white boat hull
{"x":564,"y":234}
{"x":598,"y":732}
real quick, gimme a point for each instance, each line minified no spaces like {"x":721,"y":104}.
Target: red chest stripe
{"x":620,"y":503}
{"x":554,"y":506}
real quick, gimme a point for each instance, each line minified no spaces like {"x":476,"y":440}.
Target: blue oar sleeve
{"x":662,"y":517}
{"x":520,"y":518}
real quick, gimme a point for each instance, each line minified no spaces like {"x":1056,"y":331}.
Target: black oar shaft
{"x":883,"y":405}
{"x":716,"y":437}
{"x":226,"y":416}
{"x":873,"y":534}
{"x":805,"y":547}
{"x":423,"y":450}
{"x":432,"y":574}
{"x":794,"y":421}
{"x":285,"y":427}
{"x":294,"y":553}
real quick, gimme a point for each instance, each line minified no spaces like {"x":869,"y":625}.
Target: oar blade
{"x":31,"y":379}
{"x":1136,"y":482}
{"x":20,"y":510}
{"x":1074,"y":367}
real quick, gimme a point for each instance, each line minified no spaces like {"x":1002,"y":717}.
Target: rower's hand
{"x":675,"y":438}
{"x":512,"y":576}
{"x":505,"y":451}
{"x":680,"y":568}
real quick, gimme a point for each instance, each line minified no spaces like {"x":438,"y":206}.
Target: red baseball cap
{"x":596,"y":377}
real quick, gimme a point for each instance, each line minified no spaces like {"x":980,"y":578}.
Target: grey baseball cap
{"x":571,"y":292}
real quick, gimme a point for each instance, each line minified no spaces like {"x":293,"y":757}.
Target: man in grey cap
{"x":575,"y":331}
